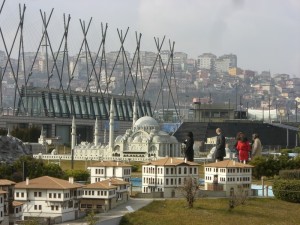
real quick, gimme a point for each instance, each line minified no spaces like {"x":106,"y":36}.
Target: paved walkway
{"x":114,"y":216}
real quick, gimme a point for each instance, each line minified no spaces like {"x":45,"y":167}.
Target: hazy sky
{"x":264,"y":34}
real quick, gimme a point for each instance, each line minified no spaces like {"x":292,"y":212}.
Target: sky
{"x":264,"y":34}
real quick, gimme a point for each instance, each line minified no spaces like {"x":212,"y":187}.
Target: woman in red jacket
{"x":243,"y":147}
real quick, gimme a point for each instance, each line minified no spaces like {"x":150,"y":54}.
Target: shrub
{"x":287,"y":190}
{"x":270,"y":166}
{"x":289,"y":174}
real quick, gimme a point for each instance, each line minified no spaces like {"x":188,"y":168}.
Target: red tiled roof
{"x":110,"y":164}
{"x":16,"y":203}
{"x":100,"y":185}
{"x":228,"y":163}
{"x":47,"y":182}
{"x":171,"y":162}
{"x":6,"y":182}
{"x":115,"y":181}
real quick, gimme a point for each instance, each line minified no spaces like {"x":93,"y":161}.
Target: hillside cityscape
{"x":209,"y":79}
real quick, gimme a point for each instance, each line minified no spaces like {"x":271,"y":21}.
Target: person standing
{"x":243,"y":146}
{"x":256,"y":146}
{"x":220,"y":146}
{"x":189,"y":151}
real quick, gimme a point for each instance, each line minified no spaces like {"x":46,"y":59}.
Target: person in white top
{"x":256,"y":146}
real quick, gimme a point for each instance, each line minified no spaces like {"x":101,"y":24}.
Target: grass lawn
{"x":256,"y":211}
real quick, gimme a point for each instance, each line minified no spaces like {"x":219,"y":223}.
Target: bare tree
{"x":189,"y":190}
{"x":238,"y":198}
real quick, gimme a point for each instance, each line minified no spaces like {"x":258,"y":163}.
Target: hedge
{"x":289,"y":174}
{"x":287,"y":190}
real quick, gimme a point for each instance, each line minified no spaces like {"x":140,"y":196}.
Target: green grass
{"x":256,"y":211}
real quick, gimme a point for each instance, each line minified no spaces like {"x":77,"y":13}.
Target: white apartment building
{"x":225,"y":62}
{"x":104,"y":195}
{"x":49,"y":198}
{"x":2,"y":196}
{"x":167,"y":174}
{"x":109,"y":169}
{"x":7,"y":186}
{"x":229,"y":176}
{"x":206,"y":61}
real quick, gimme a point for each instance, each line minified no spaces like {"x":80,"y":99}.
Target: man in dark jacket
{"x":220,"y":146}
{"x":189,"y":151}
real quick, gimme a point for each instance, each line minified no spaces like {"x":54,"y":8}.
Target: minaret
{"x":8,"y":132}
{"x":134,"y":114}
{"x":96,"y":133}
{"x":73,"y":134}
{"x":104,"y":135}
{"x":111,"y":125}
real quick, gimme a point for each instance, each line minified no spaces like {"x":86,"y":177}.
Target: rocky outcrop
{"x":11,"y":149}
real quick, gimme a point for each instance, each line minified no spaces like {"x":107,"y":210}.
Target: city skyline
{"x":263,"y":34}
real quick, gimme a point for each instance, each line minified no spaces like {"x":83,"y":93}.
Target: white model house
{"x":167,"y":174}
{"x":108,"y":169}
{"x":2,"y":196}
{"x":49,"y":198}
{"x":229,"y":176}
{"x":8,"y":186}
{"x":104,"y":195}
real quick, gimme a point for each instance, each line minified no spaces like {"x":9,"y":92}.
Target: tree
{"x":190,"y":190}
{"x":79,"y":175}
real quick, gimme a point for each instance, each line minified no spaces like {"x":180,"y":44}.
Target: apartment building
{"x":229,"y":176}
{"x":167,"y":174}
{"x":49,"y":198}
{"x":109,"y":169}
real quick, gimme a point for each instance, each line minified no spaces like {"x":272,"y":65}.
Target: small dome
{"x":119,"y":138}
{"x":157,"y":139}
{"x":137,"y":139}
{"x":146,"y":121}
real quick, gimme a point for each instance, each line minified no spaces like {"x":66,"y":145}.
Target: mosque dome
{"x":173,"y":139}
{"x":146,"y":121}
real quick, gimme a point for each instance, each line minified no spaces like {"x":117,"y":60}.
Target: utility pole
{"x":269,"y":109}
{"x":296,"y":111}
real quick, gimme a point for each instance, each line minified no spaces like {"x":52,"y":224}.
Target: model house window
{"x":50,"y":195}
{"x":56,"y":207}
{"x":59,"y":195}
{"x":35,"y":194}
{"x":22,"y":194}
{"x":35,"y":207}
{"x":52,"y":207}
{"x":17,"y":194}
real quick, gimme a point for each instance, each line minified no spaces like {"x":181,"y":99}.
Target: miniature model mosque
{"x":144,"y":141}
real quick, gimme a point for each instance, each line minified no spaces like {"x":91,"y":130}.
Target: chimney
{"x":117,"y":163}
{"x":185,"y":160}
{"x":71,"y":180}
{"x":27,"y":180}
{"x":109,"y":183}
{"x":234,"y":162}
{"x":171,"y":160}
